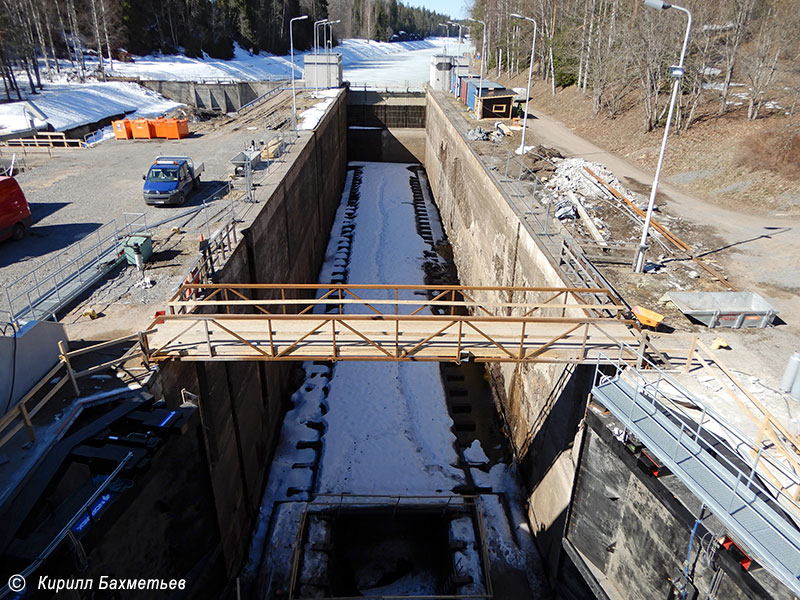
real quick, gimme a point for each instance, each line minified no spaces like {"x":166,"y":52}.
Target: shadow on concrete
{"x":557,"y":424}
{"x":44,"y":239}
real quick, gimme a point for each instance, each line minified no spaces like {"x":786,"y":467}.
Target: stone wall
{"x":224,"y":97}
{"x":542,"y":404}
{"x":243,"y":403}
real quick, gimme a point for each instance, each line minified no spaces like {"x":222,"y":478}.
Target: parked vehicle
{"x":15,"y":214}
{"x":170,"y":179}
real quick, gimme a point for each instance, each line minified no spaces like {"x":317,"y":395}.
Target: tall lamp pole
{"x":530,"y":73}
{"x":291,"y":50}
{"x":483,"y":57}
{"x":447,"y":35}
{"x":316,"y":50}
{"x":330,"y":24}
{"x":328,"y":47}
{"x":677,"y":73}
{"x":458,"y":48}
{"x":458,"y":52}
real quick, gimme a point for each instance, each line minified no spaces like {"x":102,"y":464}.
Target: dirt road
{"x":760,"y":254}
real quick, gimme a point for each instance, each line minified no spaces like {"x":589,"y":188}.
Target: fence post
{"x":690,"y":356}
{"x":65,"y":359}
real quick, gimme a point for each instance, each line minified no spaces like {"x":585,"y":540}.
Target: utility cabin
{"x":441,"y":67}
{"x":492,"y":101}
{"x":460,"y":81}
{"x":495,"y":104}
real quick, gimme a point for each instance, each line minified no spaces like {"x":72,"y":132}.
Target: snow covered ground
{"x":68,"y":104}
{"x":388,"y":425}
{"x":382,"y":428}
{"x":263,"y":67}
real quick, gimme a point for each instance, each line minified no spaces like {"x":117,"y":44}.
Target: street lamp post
{"x":483,"y":57}
{"x":530,"y":73}
{"x":458,"y":51}
{"x":329,"y":48}
{"x":677,"y":74}
{"x":316,"y":50}
{"x":329,"y":42}
{"x":447,"y":35}
{"x":291,"y":50}
{"x":458,"y":48}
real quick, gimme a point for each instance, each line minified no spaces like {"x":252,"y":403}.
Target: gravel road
{"x":78,"y":193}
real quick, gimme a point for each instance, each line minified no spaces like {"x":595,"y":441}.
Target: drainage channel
{"x":392,"y":478}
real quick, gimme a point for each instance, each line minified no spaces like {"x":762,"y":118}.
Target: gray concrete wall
{"x":632,"y":529}
{"x":225,"y":97}
{"x":621,"y":529}
{"x":29,"y":356}
{"x":243,"y":403}
{"x":542,"y":404}
{"x":386,"y":145}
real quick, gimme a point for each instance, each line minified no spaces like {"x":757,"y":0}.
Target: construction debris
{"x":571,"y":175}
{"x":479,"y":134}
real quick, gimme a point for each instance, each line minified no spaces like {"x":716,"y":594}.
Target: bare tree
{"x":96,"y":23}
{"x":733,"y":25}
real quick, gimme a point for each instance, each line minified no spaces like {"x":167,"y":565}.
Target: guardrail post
{"x":65,"y":359}
{"x":26,"y":417}
{"x":145,"y":349}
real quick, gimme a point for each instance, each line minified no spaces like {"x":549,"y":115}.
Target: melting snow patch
{"x":474,"y":455}
{"x":311,"y":117}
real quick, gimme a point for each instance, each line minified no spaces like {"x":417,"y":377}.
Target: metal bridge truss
{"x":388,"y":323}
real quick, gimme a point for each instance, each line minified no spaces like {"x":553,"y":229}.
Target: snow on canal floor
{"x":388,"y":425}
{"x":382,"y":428}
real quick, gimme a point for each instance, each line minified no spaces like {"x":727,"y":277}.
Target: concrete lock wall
{"x":386,"y":126}
{"x":542,"y":404}
{"x":632,"y":528}
{"x":242,"y":403}
{"x":225,"y":97}
{"x":26,"y":358}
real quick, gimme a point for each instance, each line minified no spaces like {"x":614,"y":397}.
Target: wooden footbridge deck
{"x":389,"y":323}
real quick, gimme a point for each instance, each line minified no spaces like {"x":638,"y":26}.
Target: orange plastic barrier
{"x":122,"y":129}
{"x":142,"y":129}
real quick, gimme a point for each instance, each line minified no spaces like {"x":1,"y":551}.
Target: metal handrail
{"x":707,"y":412}
{"x":749,"y":482}
{"x":24,"y":294}
{"x":84,"y":510}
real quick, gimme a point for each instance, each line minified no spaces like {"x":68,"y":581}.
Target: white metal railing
{"x":748,"y":484}
{"x":45,"y":289}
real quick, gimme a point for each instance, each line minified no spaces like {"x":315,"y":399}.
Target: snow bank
{"x":67,"y":105}
{"x":256,"y":67}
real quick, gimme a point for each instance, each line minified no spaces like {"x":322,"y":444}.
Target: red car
{"x":15,"y":214}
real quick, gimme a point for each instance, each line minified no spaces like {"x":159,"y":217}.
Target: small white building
{"x":323,"y":70}
{"x":441,"y":66}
